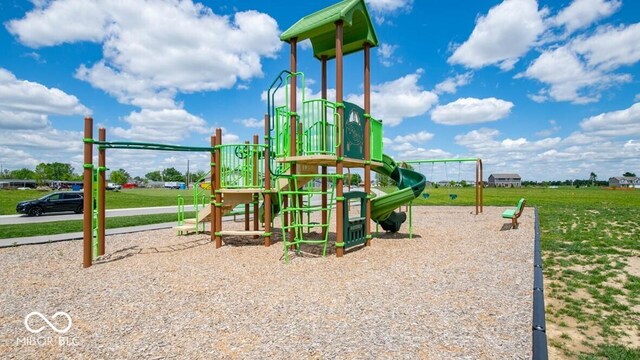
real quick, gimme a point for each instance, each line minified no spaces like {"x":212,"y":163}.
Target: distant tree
{"x":353,"y":179}
{"x":54,"y":171}
{"x":629,"y":174}
{"x":593,"y":178}
{"x":23,"y":174}
{"x":154,"y":176}
{"x":119,"y":176}
{"x":198,"y":175}
{"x":464,"y":183}
{"x":171,"y":174}
{"x":384,"y":180}
{"x":405,"y":165}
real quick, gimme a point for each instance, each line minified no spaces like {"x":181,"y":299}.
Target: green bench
{"x":514,"y":214}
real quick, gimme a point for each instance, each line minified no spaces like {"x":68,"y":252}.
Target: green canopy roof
{"x":320,"y":28}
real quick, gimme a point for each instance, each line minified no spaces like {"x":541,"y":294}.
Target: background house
{"x":505,"y":180}
{"x":624,"y":181}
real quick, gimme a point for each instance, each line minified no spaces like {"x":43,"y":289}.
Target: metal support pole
{"x":102,"y":163}
{"x":339,"y":151}
{"x":87,"y":202}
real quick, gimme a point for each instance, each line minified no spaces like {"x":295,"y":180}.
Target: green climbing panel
{"x":354,"y":226}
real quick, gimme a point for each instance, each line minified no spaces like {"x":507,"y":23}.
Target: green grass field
{"x":129,"y":198}
{"x":591,"y":254}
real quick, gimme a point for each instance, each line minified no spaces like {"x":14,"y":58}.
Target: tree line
{"x":57,"y":171}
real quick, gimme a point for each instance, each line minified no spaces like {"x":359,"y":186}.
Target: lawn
{"x":128,"y":198}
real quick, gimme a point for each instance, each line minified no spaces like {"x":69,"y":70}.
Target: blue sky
{"x":546,"y":89}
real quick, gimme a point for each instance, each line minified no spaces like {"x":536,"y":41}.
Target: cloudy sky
{"x":547,"y":89}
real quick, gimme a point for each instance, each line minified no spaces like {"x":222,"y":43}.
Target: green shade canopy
{"x":320,"y":28}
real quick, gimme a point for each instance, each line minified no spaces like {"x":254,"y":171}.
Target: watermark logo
{"x":44,"y":318}
{"x":33,"y":319}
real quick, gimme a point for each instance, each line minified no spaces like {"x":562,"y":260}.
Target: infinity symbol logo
{"x":53,"y":327}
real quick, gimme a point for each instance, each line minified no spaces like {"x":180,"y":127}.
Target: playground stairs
{"x":298,"y":231}
{"x":230,"y":201}
{"x":283,"y":182}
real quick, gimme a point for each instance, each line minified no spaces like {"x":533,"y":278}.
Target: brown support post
{"x":267,"y":183}
{"x":293,"y":121}
{"x":87,"y":180}
{"x":102,"y":163}
{"x":477,"y":187}
{"x":324,"y":171}
{"x":367,"y":140}
{"x":339,"y":151}
{"x":212,"y":218}
{"x":218,"y":207}
{"x":256,"y":196}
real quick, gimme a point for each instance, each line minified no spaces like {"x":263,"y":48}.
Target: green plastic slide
{"x":410,"y":184}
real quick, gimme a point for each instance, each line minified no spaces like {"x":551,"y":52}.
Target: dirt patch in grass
{"x":633,"y":265}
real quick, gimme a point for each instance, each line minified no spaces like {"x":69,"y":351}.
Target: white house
{"x":624,"y":181}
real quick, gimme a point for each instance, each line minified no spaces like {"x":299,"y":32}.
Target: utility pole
{"x":187,"y":174}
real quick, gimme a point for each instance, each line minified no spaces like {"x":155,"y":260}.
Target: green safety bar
{"x":94,"y":212}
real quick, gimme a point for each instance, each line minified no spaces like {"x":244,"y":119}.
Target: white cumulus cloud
{"x":451,"y":84}
{"x":396,"y":100}
{"x":380,"y":9}
{"x":153,"y":50}
{"x":502,"y":36}
{"x":161,"y":125}
{"x":26,"y":105}
{"x":471,"y":111}
{"x":582,"y":13}
{"x":615,"y":123}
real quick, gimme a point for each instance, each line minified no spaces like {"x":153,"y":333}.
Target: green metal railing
{"x":241,"y":166}
{"x":321,"y":128}
{"x":300,"y":211}
{"x":180,"y":212}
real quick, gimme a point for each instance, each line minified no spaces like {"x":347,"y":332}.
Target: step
{"x":190,"y":221}
{"x":185,"y":227}
{"x":241,"y":233}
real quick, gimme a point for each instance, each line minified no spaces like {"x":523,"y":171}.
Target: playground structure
{"x":292,"y":166}
{"x":478,"y":184}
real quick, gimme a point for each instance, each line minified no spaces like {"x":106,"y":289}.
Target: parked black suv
{"x":54,"y":202}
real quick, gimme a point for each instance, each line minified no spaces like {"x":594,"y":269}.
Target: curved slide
{"x":410,"y":184}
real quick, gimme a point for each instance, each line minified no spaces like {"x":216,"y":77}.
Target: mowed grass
{"x":71,"y":226}
{"x":127,"y":198}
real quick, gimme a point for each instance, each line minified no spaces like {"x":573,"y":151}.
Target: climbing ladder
{"x":298,"y":212}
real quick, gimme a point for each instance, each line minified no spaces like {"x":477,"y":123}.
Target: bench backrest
{"x":520,"y":207}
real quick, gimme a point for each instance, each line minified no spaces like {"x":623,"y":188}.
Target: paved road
{"x":24,"y":219}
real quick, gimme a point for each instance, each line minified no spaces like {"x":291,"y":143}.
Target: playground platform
{"x":460,"y":288}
